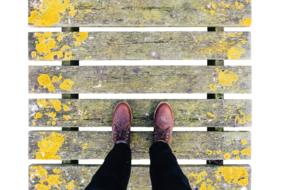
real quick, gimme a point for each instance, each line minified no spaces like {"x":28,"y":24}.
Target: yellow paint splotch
{"x":233,"y":175}
{"x":226,"y":78}
{"x":51,"y":12}
{"x":49,"y":146}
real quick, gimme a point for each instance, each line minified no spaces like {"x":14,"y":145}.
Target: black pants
{"x":115,"y":172}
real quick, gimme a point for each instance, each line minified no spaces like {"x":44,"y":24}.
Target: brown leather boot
{"x":163,"y":123}
{"x":121,"y":124}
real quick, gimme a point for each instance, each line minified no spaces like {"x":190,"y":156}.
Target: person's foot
{"x":121,"y":124}
{"x":163,"y":123}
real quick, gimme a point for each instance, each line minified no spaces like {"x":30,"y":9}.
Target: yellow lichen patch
{"x":66,"y":85}
{"x":79,"y":37}
{"x":47,"y":46}
{"x":49,"y":146}
{"x":246,"y":152}
{"x":56,"y":171}
{"x":56,"y":105}
{"x":34,"y":54}
{"x":241,"y":118}
{"x":65,"y":107}
{"x":38,"y":115}
{"x":50,"y":12}
{"x":227,"y":156}
{"x":235,"y":52}
{"x":244,"y":142}
{"x":85,"y":146}
{"x":197,"y":178}
{"x":233,"y":175}
{"x":70,"y":185}
{"x":56,"y":79}
{"x":51,"y":82}
{"x":42,"y":103}
{"x":46,"y":180}
{"x":213,"y":87}
{"x":239,"y":5}
{"x":66,"y":117}
{"x":213,"y":152}
{"x":154,"y":15}
{"x":245,"y":21}
{"x":211,"y":115}
{"x":205,"y":186}
{"x":45,"y":82}
{"x":235,"y":152}
{"x":51,"y":115}
{"x":226,"y":78}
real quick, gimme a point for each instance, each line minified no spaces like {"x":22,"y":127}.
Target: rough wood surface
{"x":139,"y":79}
{"x":230,"y":177}
{"x":139,"y":13}
{"x":66,"y":145}
{"x":139,"y":45}
{"x":96,"y":113}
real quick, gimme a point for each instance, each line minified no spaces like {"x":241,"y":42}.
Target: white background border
{"x":268,"y":131}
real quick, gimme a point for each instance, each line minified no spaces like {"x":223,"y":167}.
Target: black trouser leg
{"x":165,"y":172}
{"x":115,"y":172}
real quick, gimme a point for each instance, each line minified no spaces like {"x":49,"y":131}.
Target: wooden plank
{"x":96,"y":113}
{"x":73,"y":13}
{"x":139,"y":79}
{"x":230,"y":177}
{"x":139,"y":45}
{"x":68,"y":145}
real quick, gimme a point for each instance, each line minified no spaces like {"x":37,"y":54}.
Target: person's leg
{"x":165,"y":172}
{"x":164,"y":169}
{"x":115,"y":172}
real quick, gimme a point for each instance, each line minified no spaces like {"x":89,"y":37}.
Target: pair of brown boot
{"x":122,"y":120}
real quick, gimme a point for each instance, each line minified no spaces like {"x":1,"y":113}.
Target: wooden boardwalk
{"x":214,"y":142}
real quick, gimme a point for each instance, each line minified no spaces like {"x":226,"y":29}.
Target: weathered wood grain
{"x":230,"y":177}
{"x":139,"y":45}
{"x":96,"y":113}
{"x":66,"y":145}
{"x":139,"y":79}
{"x":140,"y":13}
